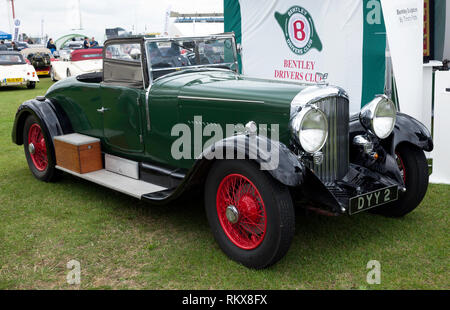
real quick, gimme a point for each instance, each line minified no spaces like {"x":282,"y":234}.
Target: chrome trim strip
{"x":147,"y":109}
{"x":191,"y":38}
{"x":315,"y":94}
{"x":335,"y":164}
{"x":193,"y":67}
{"x":220,"y":99}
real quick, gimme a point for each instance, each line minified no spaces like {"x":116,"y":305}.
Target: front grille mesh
{"x":336,"y":150}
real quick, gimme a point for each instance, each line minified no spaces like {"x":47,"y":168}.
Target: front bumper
{"x":335,"y":198}
{"x":13,"y":81}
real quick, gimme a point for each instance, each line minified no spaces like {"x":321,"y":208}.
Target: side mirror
{"x":239,"y":48}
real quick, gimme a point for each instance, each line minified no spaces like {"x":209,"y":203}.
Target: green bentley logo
{"x":299,"y":30}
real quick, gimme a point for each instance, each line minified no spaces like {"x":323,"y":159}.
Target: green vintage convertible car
{"x":174,"y":114}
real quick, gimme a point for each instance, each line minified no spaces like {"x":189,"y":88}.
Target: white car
{"x":81,"y":61}
{"x":15,"y":71}
{"x":65,"y":52}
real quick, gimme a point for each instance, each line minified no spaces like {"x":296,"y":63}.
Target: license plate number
{"x":373,"y":199}
{"x":42,"y":73}
{"x":17,"y":80}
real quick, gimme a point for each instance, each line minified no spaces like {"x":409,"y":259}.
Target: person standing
{"x":51,"y":46}
{"x":86,"y":43}
{"x":15,"y":47}
{"x":3,"y":46}
{"x":93,"y":43}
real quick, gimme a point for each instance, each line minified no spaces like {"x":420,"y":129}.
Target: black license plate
{"x":373,"y":199}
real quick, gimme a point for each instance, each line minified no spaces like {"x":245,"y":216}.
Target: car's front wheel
{"x":37,"y":150}
{"x":414,"y":169}
{"x":251,"y":215}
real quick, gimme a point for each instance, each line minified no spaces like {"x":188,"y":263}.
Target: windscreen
{"x":175,"y":55}
{"x":11,"y":59}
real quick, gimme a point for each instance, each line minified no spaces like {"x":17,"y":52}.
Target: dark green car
{"x":174,"y":115}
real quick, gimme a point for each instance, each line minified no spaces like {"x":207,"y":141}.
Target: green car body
{"x":120,"y":128}
{"x":155,"y":92}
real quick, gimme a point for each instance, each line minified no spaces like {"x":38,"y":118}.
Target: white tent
{"x":194,"y":29}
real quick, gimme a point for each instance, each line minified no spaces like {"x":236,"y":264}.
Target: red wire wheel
{"x":241,"y":211}
{"x":401,"y":166}
{"x":37,"y":147}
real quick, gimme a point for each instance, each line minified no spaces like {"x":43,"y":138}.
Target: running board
{"x":117,"y":182}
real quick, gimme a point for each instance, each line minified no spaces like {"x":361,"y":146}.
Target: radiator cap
{"x":40,"y":98}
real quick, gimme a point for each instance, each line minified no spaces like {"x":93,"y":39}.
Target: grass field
{"x":122,"y":243}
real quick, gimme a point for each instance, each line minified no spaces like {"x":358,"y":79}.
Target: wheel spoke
{"x":39,"y":156}
{"x":239,"y":192}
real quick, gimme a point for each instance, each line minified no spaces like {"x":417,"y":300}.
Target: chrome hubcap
{"x":31,"y":148}
{"x":232,"y":214}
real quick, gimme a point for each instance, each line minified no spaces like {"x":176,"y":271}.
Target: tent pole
{"x":13,"y":11}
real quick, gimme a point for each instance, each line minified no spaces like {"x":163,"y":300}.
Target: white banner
{"x":16,"y":29}
{"x":404,"y":24}
{"x":441,"y":168}
{"x":338,"y":42}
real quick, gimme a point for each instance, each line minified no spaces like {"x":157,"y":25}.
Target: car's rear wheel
{"x":414,"y":170}
{"x":37,"y":150}
{"x":31,"y":85}
{"x":251,"y":214}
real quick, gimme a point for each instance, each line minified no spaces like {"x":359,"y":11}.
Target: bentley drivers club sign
{"x":313,"y":42}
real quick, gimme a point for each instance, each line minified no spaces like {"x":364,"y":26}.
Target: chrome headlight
{"x":379,"y":116}
{"x":310,"y":129}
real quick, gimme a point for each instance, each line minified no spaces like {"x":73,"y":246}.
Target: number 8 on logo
{"x":299,"y":27}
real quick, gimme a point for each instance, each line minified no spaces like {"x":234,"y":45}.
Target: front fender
{"x":406,"y":129}
{"x":272,"y":156}
{"x":286,"y":169}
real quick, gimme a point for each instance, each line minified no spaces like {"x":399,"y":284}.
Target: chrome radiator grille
{"x":336,"y":150}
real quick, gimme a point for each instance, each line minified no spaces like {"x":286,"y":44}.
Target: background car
{"x":65,"y":52}
{"x":22,"y":45}
{"x":80,"y":61}
{"x":15,"y":71}
{"x":40,"y":58}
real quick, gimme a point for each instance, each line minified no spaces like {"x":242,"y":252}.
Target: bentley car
{"x":41,"y":59}
{"x":15,"y":71}
{"x":80,"y":61}
{"x":168,"y":117}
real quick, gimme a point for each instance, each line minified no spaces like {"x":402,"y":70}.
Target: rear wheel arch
{"x":54,"y":119}
{"x":20,"y":123}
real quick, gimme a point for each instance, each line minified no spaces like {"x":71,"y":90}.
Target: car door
{"x":122,"y":94}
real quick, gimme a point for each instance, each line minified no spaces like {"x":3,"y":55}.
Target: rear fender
{"x":53,"y":120}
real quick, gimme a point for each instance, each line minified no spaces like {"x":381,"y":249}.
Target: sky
{"x":59,"y":17}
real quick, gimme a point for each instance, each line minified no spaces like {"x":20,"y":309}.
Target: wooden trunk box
{"x":78,"y":153}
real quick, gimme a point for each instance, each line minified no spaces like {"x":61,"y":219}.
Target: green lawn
{"x":124,"y":243}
